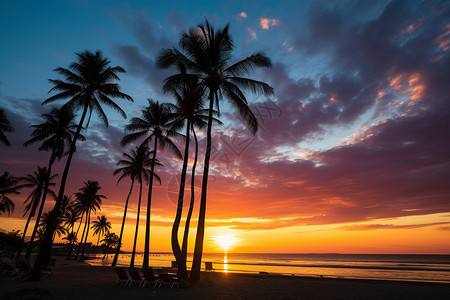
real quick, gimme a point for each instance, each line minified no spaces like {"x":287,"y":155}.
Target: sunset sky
{"x":353,"y":151}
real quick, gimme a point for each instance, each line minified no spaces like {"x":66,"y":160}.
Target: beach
{"x":75,"y":280}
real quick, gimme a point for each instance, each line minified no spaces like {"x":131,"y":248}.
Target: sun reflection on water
{"x":225,"y":261}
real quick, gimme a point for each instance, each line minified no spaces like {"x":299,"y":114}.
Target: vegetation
{"x":56,"y":134}
{"x":89,"y":83}
{"x":101,"y":226}
{"x":206,"y":54}
{"x":5,"y":126}
{"x":204,"y":78}
{"x":156,"y":124}
{"x":8,"y":185}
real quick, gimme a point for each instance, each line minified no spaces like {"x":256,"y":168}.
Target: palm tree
{"x":111,"y":240}
{"x":89,"y":83}
{"x":189,"y":101}
{"x":155,"y":124}
{"x":136,"y":167}
{"x":207,"y":54}
{"x":101,"y":226}
{"x":56,"y":134}
{"x":70,"y":217}
{"x":59,"y":228}
{"x":37,"y":181}
{"x":8,"y":185}
{"x":88,"y":200}
{"x":5,"y":126}
{"x":71,"y":238}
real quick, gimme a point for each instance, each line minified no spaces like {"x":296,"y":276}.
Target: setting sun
{"x":225,"y":241}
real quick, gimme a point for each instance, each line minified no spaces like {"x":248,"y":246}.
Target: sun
{"x":225,"y":241}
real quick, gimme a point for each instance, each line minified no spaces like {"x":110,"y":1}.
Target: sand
{"x":75,"y":280}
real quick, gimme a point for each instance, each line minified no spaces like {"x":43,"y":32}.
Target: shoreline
{"x":75,"y":280}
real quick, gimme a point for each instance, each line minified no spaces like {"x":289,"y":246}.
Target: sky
{"x":352,"y":153}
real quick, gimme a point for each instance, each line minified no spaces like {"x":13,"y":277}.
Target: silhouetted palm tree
{"x":207,"y":54}
{"x":36,"y":181}
{"x":56,"y":135}
{"x":155,"y":124}
{"x":71,"y":238}
{"x":188,"y":109}
{"x":100,"y":226}
{"x":88,"y":200}
{"x":8,"y":185}
{"x":5,"y":126}
{"x":70,"y":217}
{"x":59,"y":228}
{"x":89,"y":82}
{"x":111,"y":240}
{"x":136,"y":167}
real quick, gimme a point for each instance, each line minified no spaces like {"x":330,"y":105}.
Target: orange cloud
{"x":266,"y":23}
{"x":243,"y":15}
{"x":443,"y":40}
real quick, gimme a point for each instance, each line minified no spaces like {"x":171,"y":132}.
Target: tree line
{"x":204,"y":77}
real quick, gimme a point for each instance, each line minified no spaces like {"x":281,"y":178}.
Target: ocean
{"x":425,"y":268}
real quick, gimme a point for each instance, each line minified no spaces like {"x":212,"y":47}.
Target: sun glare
{"x":225,"y":241}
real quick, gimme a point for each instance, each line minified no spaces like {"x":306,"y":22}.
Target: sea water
{"x":426,"y":268}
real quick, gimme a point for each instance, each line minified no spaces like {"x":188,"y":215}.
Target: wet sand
{"x":75,"y":280}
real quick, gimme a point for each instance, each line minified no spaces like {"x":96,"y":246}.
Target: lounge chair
{"x":123,"y":276}
{"x":208,"y":266}
{"x":149,"y":277}
{"x":135,"y":277}
{"x":24,"y":269}
{"x":165,"y":278}
{"x":174,"y":266}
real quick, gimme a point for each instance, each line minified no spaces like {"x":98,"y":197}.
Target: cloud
{"x":366,"y":227}
{"x":265,"y":23}
{"x":243,"y":14}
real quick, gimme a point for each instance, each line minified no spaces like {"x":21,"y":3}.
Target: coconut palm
{"x":8,"y":185}
{"x":188,"y":109}
{"x":156,"y":124}
{"x":135,"y":166}
{"x":70,"y":238}
{"x":5,"y":126}
{"x":206,"y":54}
{"x":36,"y":181}
{"x":100,"y":226}
{"x":88,"y":200}
{"x":56,"y":134}
{"x":59,"y":228}
{"x":111,"y":240}
{"x":89,"y":83}
{"x":70,"y":217}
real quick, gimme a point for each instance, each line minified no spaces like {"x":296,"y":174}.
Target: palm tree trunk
{"x":41,"y":208}
{"x":87,"y":234}
{"x":191,"y":205}
{"x":74,"y":239}
{"x":149,"y":205}
{"x":80,"y":244}
{"x":47,"y":241}
{"x":179,"y":257}
{"x":198,"y":250}
{"x":116,"y":256}
{"x":24,"y":233}
{"x":137,"y":227}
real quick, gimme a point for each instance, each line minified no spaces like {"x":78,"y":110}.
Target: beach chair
{"x":167,"y":279}
{"x":123,"y":276}
{"x":24,"y":269}
{"x":149,"y":277}
{"x":208,"y":266}
{"x":174,"y":266}
{"x":135,"y":277}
